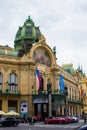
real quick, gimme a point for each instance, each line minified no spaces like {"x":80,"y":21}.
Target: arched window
{"x":28,"y":31}
{"x":13,"y":82}
{"x":1,"y":80}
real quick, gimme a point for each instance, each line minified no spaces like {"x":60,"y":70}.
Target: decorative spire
{"x":29,"y":21}
{"x":54,"y":49}
{"x":78,"y":68}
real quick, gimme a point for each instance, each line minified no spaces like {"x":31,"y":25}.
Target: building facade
{"x":21,"y":91}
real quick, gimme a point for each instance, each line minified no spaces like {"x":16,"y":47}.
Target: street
{"x":42,"y":126}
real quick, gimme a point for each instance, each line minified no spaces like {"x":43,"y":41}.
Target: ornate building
{"x":19,"y":90}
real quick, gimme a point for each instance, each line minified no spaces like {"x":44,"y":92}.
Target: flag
{"x":37,"y":79}
{"x":80,"y":93}
{"x":61,"y":83}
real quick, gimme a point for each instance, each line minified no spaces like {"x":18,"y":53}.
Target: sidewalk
{"x":81,"y":122}
{"x":27,"y":124}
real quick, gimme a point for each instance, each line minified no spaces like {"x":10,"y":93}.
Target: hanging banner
{"x":24,"y":107}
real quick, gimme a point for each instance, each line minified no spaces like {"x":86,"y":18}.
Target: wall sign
{"x":24,"y":108}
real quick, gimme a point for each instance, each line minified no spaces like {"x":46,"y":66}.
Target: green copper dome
{"x":27,"y":34}
{"x":69,"y":68}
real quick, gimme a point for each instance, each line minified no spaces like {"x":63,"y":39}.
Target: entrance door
{"x":41,"y":109}
{"x":44,"y":111}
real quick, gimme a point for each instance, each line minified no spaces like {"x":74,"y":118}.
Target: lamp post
{"x":49,"y":84}
{"x":66,"y":102}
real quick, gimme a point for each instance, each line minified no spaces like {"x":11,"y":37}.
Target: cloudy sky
{"x":62,"y":22}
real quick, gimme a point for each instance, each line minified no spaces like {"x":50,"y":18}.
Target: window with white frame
{"x":13,"y":82}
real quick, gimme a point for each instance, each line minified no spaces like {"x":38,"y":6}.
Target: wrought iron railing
{"x":10,"y":92}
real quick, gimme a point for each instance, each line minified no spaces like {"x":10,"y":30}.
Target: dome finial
{"x":29,"y":21}
{"x":29,"y":17}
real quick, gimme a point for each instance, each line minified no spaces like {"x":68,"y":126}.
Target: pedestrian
{"x":32,"y":121}
{"x":84,"y":119}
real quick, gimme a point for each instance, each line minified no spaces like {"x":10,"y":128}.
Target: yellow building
{"x":21,"y":91}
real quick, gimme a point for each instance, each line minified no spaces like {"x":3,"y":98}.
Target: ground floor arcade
{"x":38,"y":105}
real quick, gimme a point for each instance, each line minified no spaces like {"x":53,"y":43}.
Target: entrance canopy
{"x":12,"y":113}
{"x":2,"y":112}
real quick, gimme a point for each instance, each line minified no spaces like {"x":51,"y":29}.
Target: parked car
{"x":56,"y":120}
{"x":74,"y":119}
{"x":50,"y":120}
{"x":67,"y":118}
{"x":9,"y":121}
{"x":84,"y":127}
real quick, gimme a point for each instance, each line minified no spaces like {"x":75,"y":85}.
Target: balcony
{"x":58,"y":94}
{"x":44,"y":94}
{"x":71,"y":100}
{"x":10,"y":92}
{"x":41,"y":94}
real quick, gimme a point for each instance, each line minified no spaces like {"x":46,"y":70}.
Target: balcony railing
{"x":44,"y":94}
{"x":9,"y":92}
{"x":75,"y":101}
{"x":58,"y":92}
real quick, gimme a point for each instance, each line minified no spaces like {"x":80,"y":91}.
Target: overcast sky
{"x":62,"y":22}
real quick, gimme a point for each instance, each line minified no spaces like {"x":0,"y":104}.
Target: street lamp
{"x":49,"y":84}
